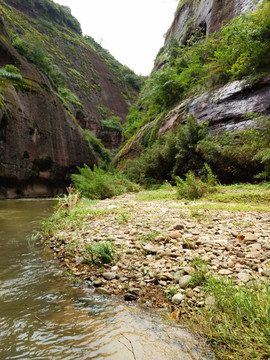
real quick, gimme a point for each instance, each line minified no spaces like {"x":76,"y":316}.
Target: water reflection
{"x":43,"y":317}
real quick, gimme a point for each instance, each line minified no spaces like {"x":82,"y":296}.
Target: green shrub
{"x":10,"y":72}
{"x":233,"y":155}
{"x":100,"y":252}
{"x":67,"y":96}
{"x":193,"y":187}
{"x":114,"y":123}
{"x":134,"y":122}
{"x":188,"y":136}
{"x":155,"y":163}
{"x":264,"y":157}
{"x":101,"y":184}
{"x":97,"y":147}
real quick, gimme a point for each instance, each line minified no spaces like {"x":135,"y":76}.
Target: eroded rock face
{"x":40,"y":143}
{"x":210,"y":15}
{"x":225,"y":108}
{"x":41,"y":140}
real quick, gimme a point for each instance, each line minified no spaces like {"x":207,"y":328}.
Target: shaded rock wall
{"x":40,"y":143}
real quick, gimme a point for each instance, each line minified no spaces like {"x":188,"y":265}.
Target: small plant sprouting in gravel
{"x":100,"y":252}
{"x":149,"y":236}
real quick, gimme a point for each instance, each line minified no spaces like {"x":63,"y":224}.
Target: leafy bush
{"x":67,"y":96}
{"x":188,"y":137}
{"x":233,"y":155}
{"x":10,"y":72}
{"x":97,"y":147}
{"x":114,"y":123}
{"x":264,"y":157}
{"x":101,"y":184}
{"x":193,"y":187}
{"x":155,"y":163}
{"x":134,"y":122}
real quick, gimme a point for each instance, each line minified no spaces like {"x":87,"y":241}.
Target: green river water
{"x":43,"y":316}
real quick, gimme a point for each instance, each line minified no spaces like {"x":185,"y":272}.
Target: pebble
{"x":236,"y":244}
{"x":243,"y":277}
{"x":175,"y":234}
{"x":184,"y":281}
{"x":250,"y":238}
{"x":225,"y":272}
{"x":178,"y":275}
{"x":149,"y":248}
{"x":178,"y":298}
{"x":109,"y":275}
{"x":97,"y":283}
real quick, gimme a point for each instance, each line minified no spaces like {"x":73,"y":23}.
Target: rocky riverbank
{"x":161,"y":249}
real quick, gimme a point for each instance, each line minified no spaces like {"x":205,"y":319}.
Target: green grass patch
{"x":66,"y":218}
{"x":242,"y":193}
{"x":227,"y":207}
{"x":238,"y":323}
{"x":100,"y":252}
{"x":156,"y":195}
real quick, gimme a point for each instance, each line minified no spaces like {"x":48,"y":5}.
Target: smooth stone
{"x":189,"y":293}
{"x":175,"y":234}
{"x":225,"y":272}
{"x":160,"y":254}
{"x":266,"y":246}
{"x":250,"y":238}
{"x":255,"y":247}
{"x":184,"y":281}
{"x":189,"y":270}
{"x":159,"y":238}
{"x":177,"y":299}
{"x":149,"y":248}
{"x":243,"y":277}
{"x":79,"y":260}
{"x":179,"y":227}
{"x":254,"y":254}
{"x":178,"y":275}
{"x":109,"y":275}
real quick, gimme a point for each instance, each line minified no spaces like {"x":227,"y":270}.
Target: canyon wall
{"x":209,"y":15}
{"x":41,"y":132}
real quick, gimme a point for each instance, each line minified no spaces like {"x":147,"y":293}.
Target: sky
{"x":132,"y":30}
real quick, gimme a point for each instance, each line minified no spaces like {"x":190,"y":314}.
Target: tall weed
{"x":101,"y":184}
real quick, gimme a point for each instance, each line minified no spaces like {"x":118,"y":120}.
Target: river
{"x":45,"y":316}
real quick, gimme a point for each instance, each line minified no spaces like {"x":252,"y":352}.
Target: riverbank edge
{"x":138,"y":242}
